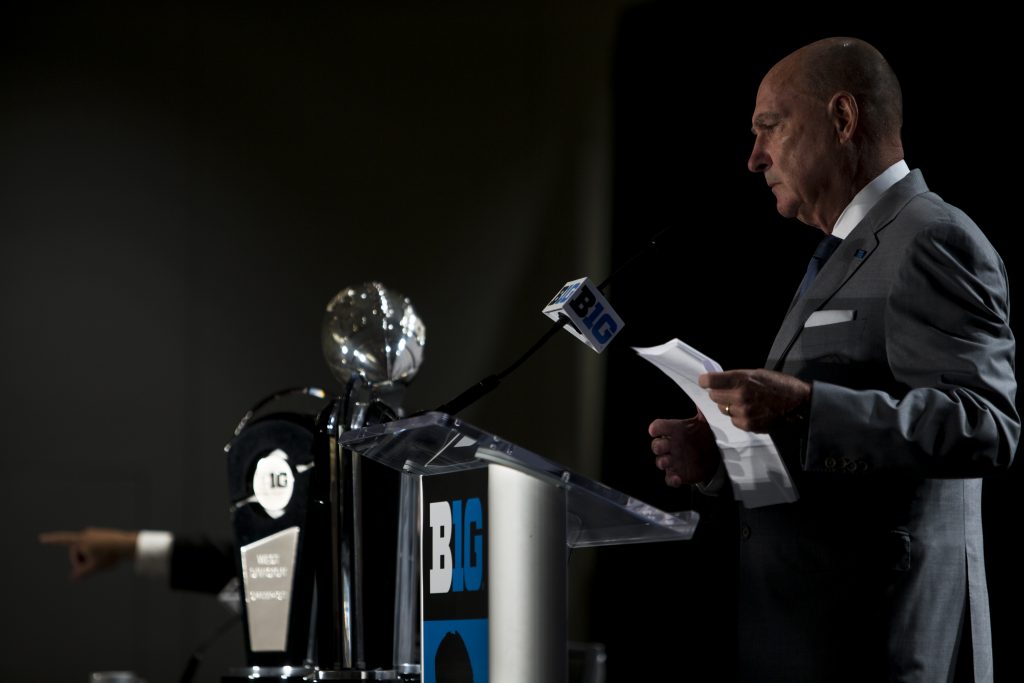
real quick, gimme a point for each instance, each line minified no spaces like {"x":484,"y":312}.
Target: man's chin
{"x":785,"y":209}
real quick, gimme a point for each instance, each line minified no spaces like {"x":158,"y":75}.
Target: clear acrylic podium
{"x":484,"y":532}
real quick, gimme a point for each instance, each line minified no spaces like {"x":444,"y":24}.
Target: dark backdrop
{"x":183,"y":186}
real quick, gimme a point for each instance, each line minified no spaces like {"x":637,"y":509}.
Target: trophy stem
{"x":340,"y":575}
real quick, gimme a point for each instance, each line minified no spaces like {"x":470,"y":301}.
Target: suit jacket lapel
{"x":848,"y":257}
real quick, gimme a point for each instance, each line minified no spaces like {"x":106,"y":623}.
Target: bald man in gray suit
{"x":889,"y":392}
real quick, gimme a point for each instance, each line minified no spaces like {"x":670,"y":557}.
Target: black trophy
{"x":309,"y":515}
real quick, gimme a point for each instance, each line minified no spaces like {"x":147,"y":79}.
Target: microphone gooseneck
{"x":491,"y":382}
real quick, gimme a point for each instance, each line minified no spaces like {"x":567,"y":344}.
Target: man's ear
{"x":845,"y":114}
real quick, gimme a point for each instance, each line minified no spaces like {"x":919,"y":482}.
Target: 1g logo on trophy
{"x":273,"y":482}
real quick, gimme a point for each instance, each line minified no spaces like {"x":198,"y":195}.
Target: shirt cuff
{"x":153,"y":554}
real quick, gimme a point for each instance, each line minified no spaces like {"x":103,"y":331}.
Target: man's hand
{"x":685,"y":450}
{"x":757,"y":400}
{"x":93,"y":549}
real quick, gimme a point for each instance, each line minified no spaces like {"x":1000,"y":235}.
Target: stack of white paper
{"x":755,"y":469}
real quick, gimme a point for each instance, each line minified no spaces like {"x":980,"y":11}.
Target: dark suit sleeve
{"x":200,"y":564}
{"x":950,"y":351}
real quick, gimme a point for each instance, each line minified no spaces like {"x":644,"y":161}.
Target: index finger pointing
{"x":58,"y":537}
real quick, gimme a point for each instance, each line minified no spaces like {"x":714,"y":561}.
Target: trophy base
{"x":267,"y":673}
{"x":308,"y":674}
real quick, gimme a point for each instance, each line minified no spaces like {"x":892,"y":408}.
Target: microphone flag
{"x":591,"y":318}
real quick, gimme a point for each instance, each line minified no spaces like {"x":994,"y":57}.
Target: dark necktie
{"x":821,"y":254}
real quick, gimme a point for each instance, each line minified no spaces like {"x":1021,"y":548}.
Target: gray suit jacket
{"x":872,"y":574}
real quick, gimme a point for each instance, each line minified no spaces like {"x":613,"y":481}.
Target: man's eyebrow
{"x":764,"y":120}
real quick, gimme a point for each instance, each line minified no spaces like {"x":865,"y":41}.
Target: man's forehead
{"x":769,"y":106}
{"x":779,"y":96}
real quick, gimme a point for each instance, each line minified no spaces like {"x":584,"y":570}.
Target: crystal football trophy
{"x":296,"y":499}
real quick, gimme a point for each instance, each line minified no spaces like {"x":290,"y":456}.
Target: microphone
{"x":590,"y":317}
{"x":578,"y":304}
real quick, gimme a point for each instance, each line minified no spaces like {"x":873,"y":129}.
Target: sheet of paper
{"x":758,"y":475}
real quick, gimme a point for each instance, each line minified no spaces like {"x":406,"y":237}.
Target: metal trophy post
{"x":298,"y":505}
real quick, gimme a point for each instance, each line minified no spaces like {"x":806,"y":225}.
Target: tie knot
{"x":826,"y":247}
{"x":821,"y":254}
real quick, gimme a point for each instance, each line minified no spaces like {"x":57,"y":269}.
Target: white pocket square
{"x":819,"y":318}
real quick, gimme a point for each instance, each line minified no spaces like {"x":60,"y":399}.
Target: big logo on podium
{"x":454,"y":571}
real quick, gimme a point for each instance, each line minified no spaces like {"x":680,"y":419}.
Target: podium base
{"x":355,"y":675}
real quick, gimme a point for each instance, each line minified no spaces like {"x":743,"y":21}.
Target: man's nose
{"x":759,"y":161}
